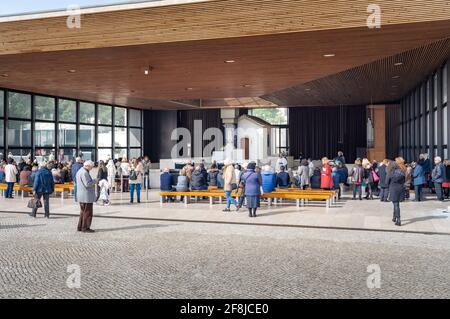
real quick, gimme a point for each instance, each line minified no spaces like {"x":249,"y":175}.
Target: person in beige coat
{"x":229,"y":177}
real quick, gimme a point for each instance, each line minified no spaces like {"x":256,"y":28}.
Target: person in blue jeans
{"x":230,"y":184}
{"x":136,"y":179}
{"x":10,"y":177}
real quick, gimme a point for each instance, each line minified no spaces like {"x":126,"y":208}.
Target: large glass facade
{"x":425,"y":117}
{"x":46,"y":127}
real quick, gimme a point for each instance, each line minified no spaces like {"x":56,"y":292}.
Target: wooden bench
{"x":299,"y":197}
{"x":17,"y":188}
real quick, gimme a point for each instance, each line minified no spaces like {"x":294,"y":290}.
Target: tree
{"x":275,"y":116}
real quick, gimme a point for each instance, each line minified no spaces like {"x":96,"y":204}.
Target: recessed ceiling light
{"x":230,"y":61}
{"x":329,"y":55}
{"x":189,"y":89}
{"x":247,"y":85}
{"x":396,"y":77}
{"x":72,"y":71}
{"x":148,"y":70}
{"x":398,"y":63}
{"x":307,"y":89}
{"x":5,"y":75}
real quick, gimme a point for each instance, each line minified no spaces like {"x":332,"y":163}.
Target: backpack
{"x":133,"y":175}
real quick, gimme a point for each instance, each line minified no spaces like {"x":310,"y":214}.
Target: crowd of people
{"x":389,"y":180}
{"x":89,"y":186}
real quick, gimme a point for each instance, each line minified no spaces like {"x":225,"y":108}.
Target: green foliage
{"x":19,"y":105}
{"x":275,"y":116}
{"x":67,"y":111}
{"x":45,"y":108}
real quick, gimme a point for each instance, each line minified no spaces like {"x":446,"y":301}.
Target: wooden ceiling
{"x":379,"y":82}
{"x":280,"y":45}
{"x":214,"y":19}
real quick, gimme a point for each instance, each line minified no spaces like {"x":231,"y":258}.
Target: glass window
{"x":435,"y":90}
{"x":88,"y":154}
{"x":444,"y":126}
{"x":19,"y":133}
{"x":67,"y":111}
{"x":2,"y":138}
{"x":43,"y":154}
{"x":428,"y":94}
{"x":274,"y":116}
{"x":87,"y":135}
{"x":120,"y":153}
{"x":120,"y":116}
{"x":135,"y":153}
{"x":2,"y":154}
{"x":104,"y":154}
{"x":44,"y":134}
{"x":445,"y":85}
{"x":135,"y":118}
{"x":20,"y":153}
{"x":67,"y":135}
{"x":104,"y":114}
{"x":44,"y":108}
{"x":67,"y":154}
{"x":120,"y":137}
{"x":19,"y":105}
{"x":435,"y":121}
{"x":135,"y":137}
{"x":104,"y":136}
{"x":2,"y":103}
{"x":87,"y":113}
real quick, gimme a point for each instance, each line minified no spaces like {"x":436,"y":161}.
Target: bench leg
{"x":269,"y":202}
{"x":328,"y":203}
{"x":298,"y":202}
{"x":211,"y":201}
{"x":186,"y":200}
{"x":161,"y":200}
{"x":303,"y":202}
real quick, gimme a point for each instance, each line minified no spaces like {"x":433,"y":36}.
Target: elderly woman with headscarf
{"x":253,"y":182}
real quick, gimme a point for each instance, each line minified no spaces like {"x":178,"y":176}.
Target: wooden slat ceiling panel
{"x":208,"y":20}
{"x":196,"y":70}
{"x":378,"y":82}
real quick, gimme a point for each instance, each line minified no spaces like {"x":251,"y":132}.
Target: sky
{"x":26,"y":6}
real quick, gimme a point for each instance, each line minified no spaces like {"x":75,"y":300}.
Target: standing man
{"x":75,"y":168}
{"x":10,"y":177}
{"x":43,"y":186}
{"x":418,"y":180}
{"x":147,"y":166}
{"x":340,"y":157}
{"x":437,"y":177}
{"x":86,"y":197}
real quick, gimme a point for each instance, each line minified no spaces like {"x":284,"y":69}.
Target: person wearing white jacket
{"x":111,"y":167}
{"x":10,"y":177}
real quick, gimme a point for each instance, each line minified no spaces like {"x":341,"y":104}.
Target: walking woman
{"x":136,"y":180}
{"x":253,"y":182}
{"x":230,"y":184}
{"x":396,"y":181}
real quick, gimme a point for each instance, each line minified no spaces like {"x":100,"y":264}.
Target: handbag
{"x":34,"y":203}
{"x":234,"y":186}
{"x":375,"y":177}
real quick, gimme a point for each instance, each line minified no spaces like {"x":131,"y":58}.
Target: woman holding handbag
{"x":43,"y":187}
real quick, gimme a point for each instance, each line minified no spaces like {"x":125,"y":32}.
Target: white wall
{"x":258,"y":139}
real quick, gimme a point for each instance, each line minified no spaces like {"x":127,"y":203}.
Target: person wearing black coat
{"x":382,"y":183}
{"x":212,"y":175}
{"x":198,"y":180}
{"x":315,"y":178}
{"x":396,"y":181}
{"x":283,"y":179}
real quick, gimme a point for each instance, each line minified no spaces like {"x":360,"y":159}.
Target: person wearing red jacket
{"x":326,"y":180}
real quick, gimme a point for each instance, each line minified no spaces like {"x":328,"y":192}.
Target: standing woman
{"x":384,"y":187}
{"x":253,"y":182}
{"x":303,"y":173}
{"x":396,"y":181}
{"x":125,"y":169}
{"x":111,"y":169}
{"x":326,"y":180}
{"x":136,"y":174}
{"x":357,"y":174}
{"x":230,"y":182}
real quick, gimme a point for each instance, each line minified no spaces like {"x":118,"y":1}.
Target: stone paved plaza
{"x":139,"y":258}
